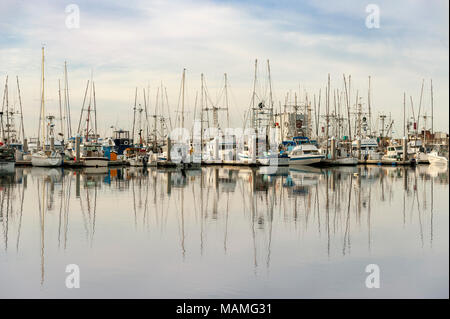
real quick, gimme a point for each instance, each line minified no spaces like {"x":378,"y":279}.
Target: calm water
{"x":225,"y":232}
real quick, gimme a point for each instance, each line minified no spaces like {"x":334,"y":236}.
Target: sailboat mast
{"x":432,"y":115}
{"x":66,"y":102}
{"x":60,"y":110}
{"x":42,"y":101}
{"x":21,"y":112}
{"x":182,"y":98}
{"x":134,"y":114}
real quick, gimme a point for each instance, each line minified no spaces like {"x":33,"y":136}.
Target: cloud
{"x":142,"y":43}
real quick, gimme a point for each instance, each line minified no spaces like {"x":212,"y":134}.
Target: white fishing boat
{"x":305,"y":154}
{"x":437,"y":159}
{"x":369,"y":149}
{"x":394,"y":154}
{"x":46,"y":159}
{"x":92,"y":155}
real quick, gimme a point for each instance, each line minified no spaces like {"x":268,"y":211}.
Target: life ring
{"x":125,"y":142}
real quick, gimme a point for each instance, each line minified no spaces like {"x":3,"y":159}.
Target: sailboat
{"x":45,"y":157}
{"x":92,"y":154}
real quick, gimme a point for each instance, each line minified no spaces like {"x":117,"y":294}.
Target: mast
{"x":328,"y":110}
{"x":432,"y":115}
{"x":253,"y":95}
{"x":201,"y":117}
{"x":95,"y":111}
{"x":270,"y":93}
{"x":21,"y":112}
{"x":60,"y":110}
{"x":418,"y":114}
{"x":82,"y":109}
{"x":370,"y":111}
{"x":226,"y":100}
{"x":42,"y":115}
{"x":66,"y":102}
{"x":404,"y":111}
{"x":348,"y":106}
{"x":182,"y":98}
{"x":134,"y":115}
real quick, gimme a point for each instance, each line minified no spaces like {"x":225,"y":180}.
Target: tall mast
{"x":134,"y":115}
{"x":226,"y":100}
{"x":95,"y":111}
{"x":20,"y":104}
{"x":182,"y":98}
{"x":60,"y":110}
{"x":404,"y":112}
{"x":347,"y":97}
{"x":66,"y":102}
{"x":42,"y":116}
{"x":253,"y":96}
{"x":82,"y":109}
{"x":201,"y":117}
{"x":432,"y":115}
{"x":420,"y":106}
{"x":328,"y":109}
{"x":370,"y":111}
{"x":270,"y":93}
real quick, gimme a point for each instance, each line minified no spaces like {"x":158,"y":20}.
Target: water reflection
{"x":202,"y":212}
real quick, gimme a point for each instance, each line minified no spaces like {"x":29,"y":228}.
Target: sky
{"x":146,"y":44}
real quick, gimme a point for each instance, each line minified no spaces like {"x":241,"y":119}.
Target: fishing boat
{"x":369,"y":149}
{"x":92,"y":155}
{"x":136,"y":156}
{"x":393,"y":154}
{"x":436,"y":158}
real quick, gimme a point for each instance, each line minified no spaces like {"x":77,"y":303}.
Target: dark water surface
{"x":225,"y":232}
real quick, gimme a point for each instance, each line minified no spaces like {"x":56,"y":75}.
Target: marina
{"x":224,"y":157}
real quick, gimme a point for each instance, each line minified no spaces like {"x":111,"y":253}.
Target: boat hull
{"x":95,"y":161}
{"x":305,"y":160}
{"x":437,"y":160}
{"x":45,"y":161}
{"x":7,"y":167}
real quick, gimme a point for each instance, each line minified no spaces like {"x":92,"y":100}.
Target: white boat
{"x":46,"y":159}
{"x":305,"y":154}
{"x":394,"y":154}
{"x":92,"y":155}
{"x":369,"y":149}
{"x":435,"y":159}
{"x":94,"y":161}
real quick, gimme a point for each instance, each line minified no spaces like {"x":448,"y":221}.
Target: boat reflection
{"x":249,"y":207}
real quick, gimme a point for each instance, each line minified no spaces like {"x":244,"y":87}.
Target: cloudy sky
{"x":145,"y":43}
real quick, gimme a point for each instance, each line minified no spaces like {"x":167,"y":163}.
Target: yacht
{"x":305,"y":154}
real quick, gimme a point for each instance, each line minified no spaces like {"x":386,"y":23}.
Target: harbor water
{"x":225,"y":232}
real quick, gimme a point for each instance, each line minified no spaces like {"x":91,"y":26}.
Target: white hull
{"x":437,"y":160}
{"x":7,"y":167}
{"x":94,"y":161}
{"x":275,"y":161}
{"x":347,"y":161}
{"x":305,"y":160}
{"x":40,"y":160}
